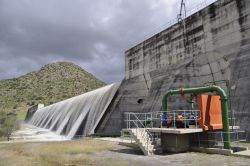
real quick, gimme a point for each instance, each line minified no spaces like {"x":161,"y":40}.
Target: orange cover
{"x":210,"y":115}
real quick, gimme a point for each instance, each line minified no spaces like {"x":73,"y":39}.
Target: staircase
{"x":142,"y":139}
{"x":137,"y":130}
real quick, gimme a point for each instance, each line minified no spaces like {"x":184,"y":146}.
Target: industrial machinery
{"x":213,"y":109}
{"x":206,"y":124}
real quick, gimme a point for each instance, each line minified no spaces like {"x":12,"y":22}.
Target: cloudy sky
{"x":91,"y":33}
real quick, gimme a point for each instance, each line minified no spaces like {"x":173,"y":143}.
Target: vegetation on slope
{"x":52,"y":83}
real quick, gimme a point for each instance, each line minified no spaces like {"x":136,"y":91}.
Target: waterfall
{"x":77,"y":115}
{"x":76,"y":125}
{"x":65,"y":121}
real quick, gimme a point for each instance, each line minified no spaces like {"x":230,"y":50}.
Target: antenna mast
{"x":181,"y":19}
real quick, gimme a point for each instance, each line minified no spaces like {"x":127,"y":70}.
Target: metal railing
{"x":171,"y":119}
{"x":140,"y":129}
{"x":215,"y":138}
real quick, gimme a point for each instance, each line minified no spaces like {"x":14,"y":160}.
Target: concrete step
{"x":143,"y":140}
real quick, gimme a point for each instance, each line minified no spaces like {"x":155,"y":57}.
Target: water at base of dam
{"x":30,"y":133}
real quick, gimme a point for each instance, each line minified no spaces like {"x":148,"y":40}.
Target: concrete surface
{"x":245,"y":153}
{"x":175,"y":131}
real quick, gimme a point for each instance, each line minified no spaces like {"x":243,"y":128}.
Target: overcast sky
{"x":91,"y":33}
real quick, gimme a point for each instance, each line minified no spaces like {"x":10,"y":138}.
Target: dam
{"x":213,"y":49}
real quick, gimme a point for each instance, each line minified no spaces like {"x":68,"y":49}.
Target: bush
{"x":8,"y":124}
{"x":15,"y":106}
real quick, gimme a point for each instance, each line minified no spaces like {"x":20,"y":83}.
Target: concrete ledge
{"x":171,"y":130}
{"x":245,"y":153}
{"x":212,"y":150}
{"x":175,"y":130}
{"x":239,"y":149}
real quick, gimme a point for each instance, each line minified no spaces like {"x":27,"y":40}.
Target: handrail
{"x":151,"y":117}
{"x":219,"y":137}
{"x":139,"y":121}
{"x":145,"y":133}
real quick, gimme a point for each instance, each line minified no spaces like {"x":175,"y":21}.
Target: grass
{"x":2,"y":138}
{"x":21,"y":116}
{"x":99,"y":153}
{"x":71,"y":153}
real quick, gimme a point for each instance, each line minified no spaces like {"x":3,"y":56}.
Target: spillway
{"x":79,"y":115}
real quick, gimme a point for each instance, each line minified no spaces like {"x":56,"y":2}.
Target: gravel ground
{"x":134,"y":156}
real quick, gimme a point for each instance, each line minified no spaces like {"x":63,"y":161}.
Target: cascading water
{"x":77,"y":123}
{"x":80,"y":114}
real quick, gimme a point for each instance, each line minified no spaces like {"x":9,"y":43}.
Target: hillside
{"x":52,"y":83}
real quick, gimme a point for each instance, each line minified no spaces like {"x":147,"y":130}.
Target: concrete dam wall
{"x":75,"y":116}
{"x":214,"y":48}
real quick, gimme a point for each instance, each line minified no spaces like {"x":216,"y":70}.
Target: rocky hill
{"x":52,"y":83}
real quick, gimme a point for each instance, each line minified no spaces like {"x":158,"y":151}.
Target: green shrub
{"x":8,"y":124}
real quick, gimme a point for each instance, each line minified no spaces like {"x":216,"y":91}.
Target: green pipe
{"x":191,"y":101}
{"x":199,"y":90}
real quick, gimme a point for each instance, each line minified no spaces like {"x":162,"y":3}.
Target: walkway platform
{"x":171,"y":130}
{"x":177,"y":130}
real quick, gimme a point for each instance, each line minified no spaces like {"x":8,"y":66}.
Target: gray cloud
{"x":93,"y":34}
